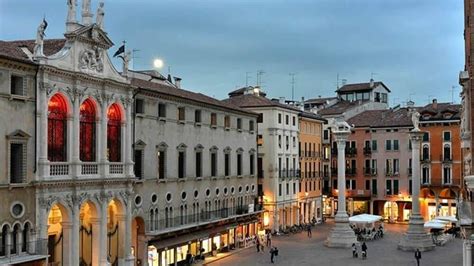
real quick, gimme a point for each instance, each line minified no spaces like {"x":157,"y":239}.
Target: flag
{"x":45,"y":23}
{"x":120,"y":50}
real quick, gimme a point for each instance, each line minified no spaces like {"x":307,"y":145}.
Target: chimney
{"x":282,"y":100}
{"x":169,"y":79}
{"x":177,"y":82}
{"x":371,"y":85}
{"x":435,"y":104}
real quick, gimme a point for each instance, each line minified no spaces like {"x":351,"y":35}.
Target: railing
{"x":282,"y":173}
{"x":333,"y":171}
{"x":351,"y":151}
{"x":445,"y":158}
{"x":260,"y":173}
{"x":59,"y":168}
{"x":115,"y":168}
{"x":89,"y":168}
{"x":370,"y":171}
{"x":10,"y":254}
{"x":367,"y":151}
{"x":153,"y":225}
{"x":351,"y":171}
{"x":392,"y":172}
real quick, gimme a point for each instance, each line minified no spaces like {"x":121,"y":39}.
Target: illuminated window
{"x":87,"y":131}
{"x":57,"y":129}
{"x":114,"y":133}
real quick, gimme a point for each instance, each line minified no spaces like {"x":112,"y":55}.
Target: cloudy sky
{"x":415,"y":47}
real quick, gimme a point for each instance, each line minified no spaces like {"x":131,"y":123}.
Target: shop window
{"x":114,"y":133}
{"x":57,"y":129}
{"x":87,"y":130}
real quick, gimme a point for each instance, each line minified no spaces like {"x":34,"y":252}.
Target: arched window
{"x":14,"y":237}
{"x":87,"y":131}
{"x":426,"y":153}
{"x":114,"y":133}
{"x":447,"y":152}
{"x":26,"y":237}
{"x":3,"y":240}
{"x":57,"y":128}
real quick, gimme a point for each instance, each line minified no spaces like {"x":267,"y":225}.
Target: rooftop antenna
{"x":259,"y":77}
{"x":452,"y":94}
{"x":247,"y":76}
{"x":292,"y":75}
{"x":134,"y":51}
{"x":372,"y":74}
{"x":337,"y":81}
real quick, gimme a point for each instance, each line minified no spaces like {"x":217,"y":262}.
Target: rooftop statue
{"x":415,"y":119}
{"x":100,"y":15}
{"x":38,"y":49}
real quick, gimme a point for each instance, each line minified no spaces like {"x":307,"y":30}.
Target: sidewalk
{"x":220,"y":256}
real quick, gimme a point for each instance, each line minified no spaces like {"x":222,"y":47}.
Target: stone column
{"x":128,"y":138}
{"x":67,"y":248}
{"x":75,"y":227}
{"x":103,"y":232}
{"x":342,"y":234}
{"x":129,"y":259}
{"x":416,"y":237}
{"x":467,"y":252}
{"x":42,"y":116}
{"x":102,"y":141}
{"x":75,"y":143}
{"x":19,"y":241}
{"x":97,"y":249}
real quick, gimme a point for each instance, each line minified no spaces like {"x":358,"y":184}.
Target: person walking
{"x":269,"y":239}
{"x":257,"y":243}
{"x":272,"y":254}
{"x":417,"y":257}
{"x":354,"y":250}
{"x":364,"y":250}
{"x":310,"y":234}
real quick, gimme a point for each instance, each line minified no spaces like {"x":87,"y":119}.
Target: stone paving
{"x":299,"y":250}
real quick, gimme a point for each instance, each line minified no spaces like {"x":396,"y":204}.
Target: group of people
{"x":355,"y":253}
{"x":368,"y":234}
{"x":267,"y":239}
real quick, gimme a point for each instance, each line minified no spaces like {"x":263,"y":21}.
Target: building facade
{"x":278,"y":161}
{"x":195,"y":161}
{"x":311,"y":171}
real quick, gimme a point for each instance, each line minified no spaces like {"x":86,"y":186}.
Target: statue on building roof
{"x":86,"y":6}
{"x":71,"y":13}
{"x":100,"y":16}
{"x":127,"y":56}
{"x":38,"y":49}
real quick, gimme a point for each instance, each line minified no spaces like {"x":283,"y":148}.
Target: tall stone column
{"x":416,"y":237}
{"x":75,"y":227}
{"x":102,"y":141}
{"x":103,"y":232}
{"x":66,"y":245}
{"x":75,"y":143}
{"x":128,"y":104}
{"x":42,"y":116}
{"x":129,"y":259}
{"x":342,"y":234}
{"x":467,"y":252}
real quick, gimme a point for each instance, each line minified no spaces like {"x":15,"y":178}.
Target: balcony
{"x":333,"y":171}
{"x":351,"y":171}
{"x":334,"y":151}
{"x":351,"y":152}
{"x":410,"y":171}
{"x":83,"y":170}
{"x":392,"y":172}
{"x":31,"y":252}
{"x":446,"y":158}
{"x":183,"y":221}
{"x":282,"y":173}
{"x":260,"y":173}
{"x":370,"y":171}
{"x":367,"y":151}
{"x":425,"y":158}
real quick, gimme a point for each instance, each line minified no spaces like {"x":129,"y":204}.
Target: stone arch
{"x":117,"y":105}
{"x":427,"y":193}
{"x":89,"y":232}
{"x":447,"y":193}
{"x":65,"y":97}
{"x":95,"y":104}
{"x":4,"y":235}
{"x":58,"y":231}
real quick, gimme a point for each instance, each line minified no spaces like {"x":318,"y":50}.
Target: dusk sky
{"x":415,"y":47}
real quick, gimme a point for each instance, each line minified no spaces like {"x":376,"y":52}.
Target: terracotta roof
{"x":340,"y":107}
{"x":312,"y":116}
{"x":242,"y":91}
{"x":250,"y":100}
{"x":180,"y":93}
{"x":12,"y":49}
{"x":320,"y":100}
{"x":440,"y":111}
{"x":361,"y":87}
{"x":382,"y":118}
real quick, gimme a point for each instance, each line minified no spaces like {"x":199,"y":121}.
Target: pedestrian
{"x":272,"y":254}
{"x":269,"y":239}
{"x":309,"y":231}
{"x":354,"y":250}
{"x":257,"y":243}
{"x":364,"y":250}
{"x":189,"y":258}
{"x":417,"y":257}
{"x":276,"y":252}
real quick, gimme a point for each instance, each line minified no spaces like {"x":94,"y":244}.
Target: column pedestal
{"x":416,"y":237}
{"x":342,"y":235}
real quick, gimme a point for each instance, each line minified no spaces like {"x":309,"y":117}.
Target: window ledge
{"x":252,"y":132}
{"x":162,"y":180}
{"x":227,"y":177}
{"x":227,"y":128}
{"x":162,"y":119}
{"x":199,"y":178}
{"x":17,"y":185}
{"x":213,"y":126}
{"x":197,"y":124}
{"x":213,"y":177}
{"x":239,"y":130}
{"x":181,"y":122}
{"x":18,"y":97}
{"x":240,"y":176}
{"x":140,"y":115}
{"x":182,"y":179}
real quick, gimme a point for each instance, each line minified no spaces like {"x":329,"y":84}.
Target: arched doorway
{"x":427,"y":203}
{"x":89,"y":247}
{"x":57,"y":128}
{"x":115,"y":231}
{"x":447,"y":204}
{"x":59,"y":232}
{"x":139,"y":243}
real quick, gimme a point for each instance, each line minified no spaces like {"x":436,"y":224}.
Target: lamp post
{"x":416,"y":237}
{"x":342,"y":234}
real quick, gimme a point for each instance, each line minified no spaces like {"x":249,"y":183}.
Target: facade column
{"x":75,"y":227}
{"x":102,"y":141}
{"x":42,"y":116}
{"x":128,"y":138}
{"x":19,"y":241}
{"x":67,"y":248}
{"x":342,"y":234}
{"x":97,"y":249}
{"x":75,"y":143}
{"x":9,"y":243}
{"x":127,"y":245}
{"x":416,"y":237}
{"x":103,"y":232}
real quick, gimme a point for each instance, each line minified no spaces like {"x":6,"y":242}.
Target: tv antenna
{"x":372,"y":74}
{"x":134,"y":56}
{"x":259,"y":77}
{"x":452,"y":94}
{"x":292,"y":75}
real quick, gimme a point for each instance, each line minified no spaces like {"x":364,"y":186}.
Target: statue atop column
{"x":86,"y":6}
{"x":38,"y":49}
{"x":415,"y":119}
{"x":100,"y":16}
{"x":71,"y":11}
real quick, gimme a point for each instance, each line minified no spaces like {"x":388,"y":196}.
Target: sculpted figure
{"x":100,"y":15}
{"x":38,"y":49}
{"x":415,"y":119}
{"x":71,"y":11}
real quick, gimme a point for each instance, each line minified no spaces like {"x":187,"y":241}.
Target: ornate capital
{"x":46,"y":203}
{"x":46,"y":87}
{"x":126,"y":101}
{"x":76,"y":94}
